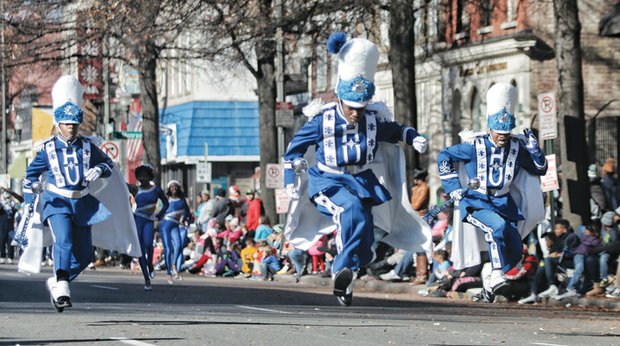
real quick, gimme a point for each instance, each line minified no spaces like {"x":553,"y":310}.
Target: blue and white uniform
{"x":144,"y":215}
{"x":341,"y":185}
{"x":491,"y":207}
{"x":69,"y":209}
{"x":171,"y":231}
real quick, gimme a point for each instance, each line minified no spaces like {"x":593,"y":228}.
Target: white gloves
{"x":456,"y":195}
{"x":420,"y":144}
{"x":93,"y":174}
{"x":292,"y":191}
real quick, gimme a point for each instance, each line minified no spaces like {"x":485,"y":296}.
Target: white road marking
{"x":127,"y":341}
{"x":545,"y":344}
{"x":106,"y":287}
{"x":261,"y":309}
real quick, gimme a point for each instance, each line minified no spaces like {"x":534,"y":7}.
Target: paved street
{"x":110,"y":308}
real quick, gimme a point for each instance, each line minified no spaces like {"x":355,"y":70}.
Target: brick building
{"x":463,"y":47}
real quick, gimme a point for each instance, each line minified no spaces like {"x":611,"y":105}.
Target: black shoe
{"x":487,"y":297}
{"x":342,"y":281}
{"x":61,"y":303}
{"x":345,"y":300}
{"x":501,"y":289}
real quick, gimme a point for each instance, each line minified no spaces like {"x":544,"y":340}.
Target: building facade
{"x":208,"y":114}
{"x":463,"y":47}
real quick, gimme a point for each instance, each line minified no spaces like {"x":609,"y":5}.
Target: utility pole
{"x":106,"y":89}
{"x":5,"y":159}
{"x":279,"y":82}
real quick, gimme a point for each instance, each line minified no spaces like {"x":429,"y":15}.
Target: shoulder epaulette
{"x":314,"y":108}
{"x":381,"y":111}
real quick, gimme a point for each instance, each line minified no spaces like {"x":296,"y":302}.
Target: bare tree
{"x":571,"y":112}
{"x":247,"y":32}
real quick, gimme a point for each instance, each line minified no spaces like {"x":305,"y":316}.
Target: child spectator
{"x":269,"y":264}
{"x":442,"y":267}
{"x":247,"y":256}
{"x":229,"y":262}
{"x":317,"y":252}
{"x":263,"y":230}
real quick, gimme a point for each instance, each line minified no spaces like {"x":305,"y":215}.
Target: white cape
{"x":406,"y":229}
{"x":117,"y":233}
{"x":468,"y":241}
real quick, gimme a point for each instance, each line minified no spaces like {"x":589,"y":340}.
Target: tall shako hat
{"x":357,"y":64}
{"x":501,"y":101}
{"x":67,"y":101}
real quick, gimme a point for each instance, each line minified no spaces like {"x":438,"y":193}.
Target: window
{"x":486,"y":13}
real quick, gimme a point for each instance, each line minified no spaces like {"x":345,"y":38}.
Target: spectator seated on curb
{"x":298,"y":259}
{"x":229,"y":262}
{"x":609,"y":257}
{"x":441,"y":268}
{"x":403,"y":268}
{"x":457,"y":281}
{"x":518,"y":278}
{"x":269,"y":264}
{"x":562,"y":244}
{"x":585,"y":251}
{"x":247,"y":257}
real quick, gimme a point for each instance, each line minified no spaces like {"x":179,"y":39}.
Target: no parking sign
{"x":111,"y":148}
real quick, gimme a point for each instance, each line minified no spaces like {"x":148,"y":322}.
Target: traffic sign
{"x":549,"y":182}
{"x":110,"y":148}
{"x":282,"y":201}
{"x":284,"y":114}
{"x":203,"y":172}
{"x":274,"y":179}
{"x":547,"y":116}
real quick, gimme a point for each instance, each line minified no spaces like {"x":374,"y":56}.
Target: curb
{"x":378,"y":286}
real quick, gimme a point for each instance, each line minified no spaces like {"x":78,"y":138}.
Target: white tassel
{"x":313,"y":108}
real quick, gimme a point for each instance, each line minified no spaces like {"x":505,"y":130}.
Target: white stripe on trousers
{"x":496,"y":262}
{"x":335,"y":210}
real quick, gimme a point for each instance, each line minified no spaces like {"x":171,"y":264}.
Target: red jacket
{"x":255,"y":207}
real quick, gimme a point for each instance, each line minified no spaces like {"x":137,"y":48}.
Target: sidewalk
{"x":379,"y":286}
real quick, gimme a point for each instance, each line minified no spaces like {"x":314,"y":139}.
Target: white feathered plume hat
{"x":501,"y":102}
{"x":67,"y":100}
{"x":357,"y":64}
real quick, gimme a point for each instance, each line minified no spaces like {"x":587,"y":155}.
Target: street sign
{"x":547,"y":116}
{"x":203,"y":172}
{"x":284,"y":114}
{"x":549,"y":182}
{"x":282,"y":201}
{"x":274,"y":179}
{"x":130,"y":134}
{"x":111,"y":149}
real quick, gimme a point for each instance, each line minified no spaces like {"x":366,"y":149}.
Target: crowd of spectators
{"x":231,"y":237}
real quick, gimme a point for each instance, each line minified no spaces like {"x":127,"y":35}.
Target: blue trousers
{"x":355,"y":234}
{"x":73,"y":245}
{"x":579,"y":261}
{"x":270,"y":265}
{"x":505,"y":245}
{"x":145,"y":235}
{"x":297,"y":259}
{"x":173,"y":246}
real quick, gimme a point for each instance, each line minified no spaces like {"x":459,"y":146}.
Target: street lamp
{"x":19,"y":125}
